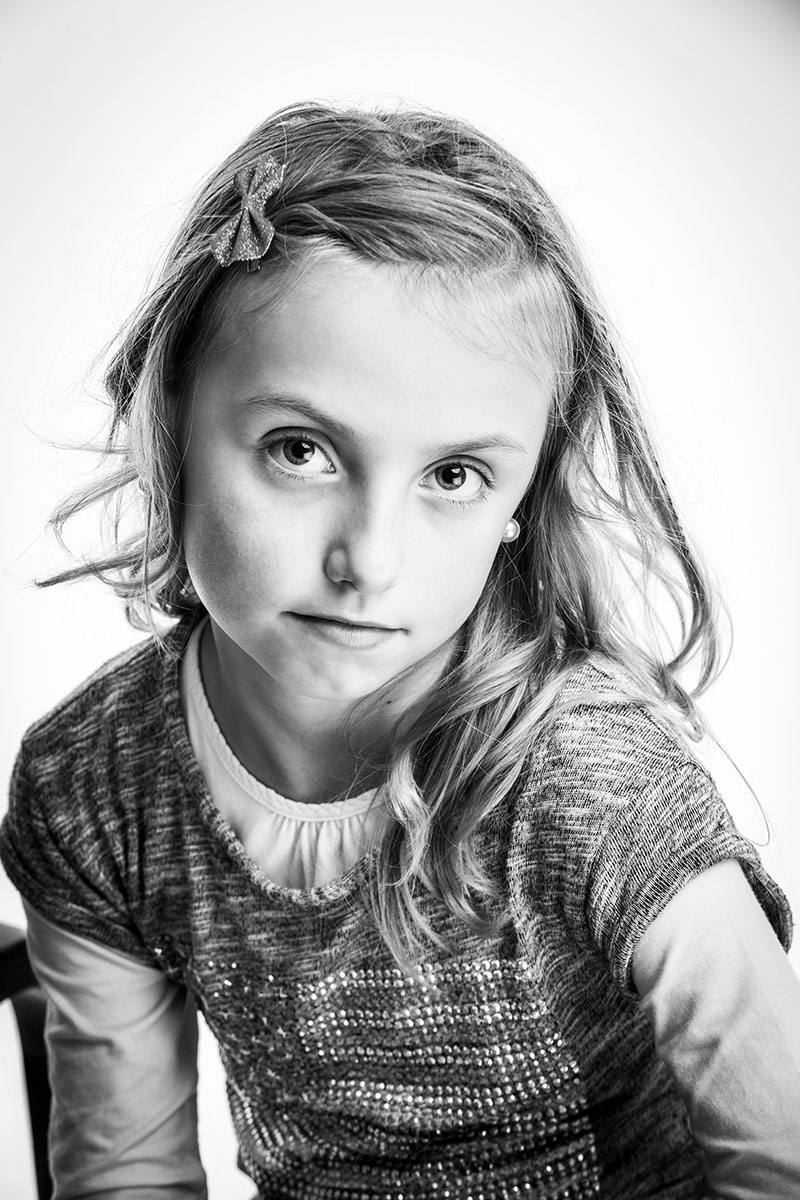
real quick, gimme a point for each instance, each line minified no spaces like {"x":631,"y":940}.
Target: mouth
{"x":344,"y":631}
{"x":346,"y":621}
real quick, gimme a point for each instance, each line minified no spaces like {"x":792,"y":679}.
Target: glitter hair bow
{"x":247,"y":236}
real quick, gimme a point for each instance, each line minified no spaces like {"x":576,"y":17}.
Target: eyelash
{"x":453,"y":501}
{"x":288,"y":435}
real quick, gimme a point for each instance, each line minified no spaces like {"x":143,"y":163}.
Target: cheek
{"x":455,"y":571}
{"x":227,"y":542}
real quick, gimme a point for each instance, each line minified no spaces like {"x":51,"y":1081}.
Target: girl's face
{"x":350,"y":467}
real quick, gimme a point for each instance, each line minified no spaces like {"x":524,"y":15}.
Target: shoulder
{"x":116,"y":712}
{"x":605,"y":742}
{"x":95,"y":794}
{"x":105,"y":693}
{"x":607,"y":781}
{"x":92,"y":770}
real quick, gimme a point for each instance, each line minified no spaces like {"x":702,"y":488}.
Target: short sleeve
{"x":63,"y":849}
{"x":616,"y":817}
{"x":670,"y":831}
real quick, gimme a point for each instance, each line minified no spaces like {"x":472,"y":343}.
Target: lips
{"x":340,"y":631}
{"x":336,"y":620}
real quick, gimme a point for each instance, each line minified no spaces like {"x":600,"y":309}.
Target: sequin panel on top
{"x":364,"y":1084}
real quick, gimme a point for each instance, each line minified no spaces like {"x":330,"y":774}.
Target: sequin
{"x":247,"y":236}
{"x":361,"y":1084}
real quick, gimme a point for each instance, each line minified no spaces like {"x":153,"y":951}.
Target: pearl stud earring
{"x":511,"y":531}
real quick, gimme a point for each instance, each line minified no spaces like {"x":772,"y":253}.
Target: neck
{"x":290,"y":742}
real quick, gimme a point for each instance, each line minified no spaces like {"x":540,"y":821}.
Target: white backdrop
{"x":668,"y":131}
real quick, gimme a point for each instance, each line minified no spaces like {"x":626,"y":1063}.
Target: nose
{"x":365,"y":550}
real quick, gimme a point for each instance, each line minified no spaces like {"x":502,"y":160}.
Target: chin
{"x":351,"y":683}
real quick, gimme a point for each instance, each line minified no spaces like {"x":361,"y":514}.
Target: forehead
{"x":510,"y":316}
{"x":371,"y":341}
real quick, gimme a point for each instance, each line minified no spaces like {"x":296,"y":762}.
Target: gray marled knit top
{"x":528,"y":1071}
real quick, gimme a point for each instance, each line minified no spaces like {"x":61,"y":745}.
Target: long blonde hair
{"x":601,"y":544}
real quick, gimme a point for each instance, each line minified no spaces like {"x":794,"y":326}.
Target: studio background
{"x":666,"y":130}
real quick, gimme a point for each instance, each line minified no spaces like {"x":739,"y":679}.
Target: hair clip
{"x":248,"y":236}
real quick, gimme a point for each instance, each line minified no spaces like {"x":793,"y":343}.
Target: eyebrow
{"x":306,"y":408}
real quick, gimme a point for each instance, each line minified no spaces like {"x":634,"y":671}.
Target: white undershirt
{"x":294,"y":844}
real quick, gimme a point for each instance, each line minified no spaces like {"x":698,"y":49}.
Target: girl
{"x":403,"y":799}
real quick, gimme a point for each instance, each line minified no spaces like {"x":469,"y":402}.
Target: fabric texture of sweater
{"x":526,"y":1068}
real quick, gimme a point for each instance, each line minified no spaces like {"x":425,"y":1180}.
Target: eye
{"x":457,"y":483}
{"x":298,"y":454}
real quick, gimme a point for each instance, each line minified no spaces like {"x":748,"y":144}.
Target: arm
{"x":122,"y":1044}
{"x":724,"y":1004}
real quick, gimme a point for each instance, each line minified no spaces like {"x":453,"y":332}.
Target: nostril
{"x":367,"y":569}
